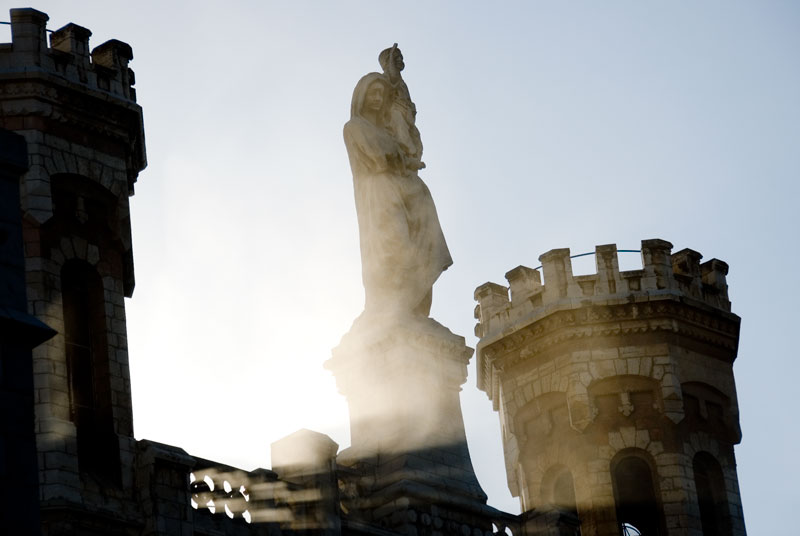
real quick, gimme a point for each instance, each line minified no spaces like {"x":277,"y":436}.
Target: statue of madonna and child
{"x":403,"y":250}
{"x":400,"y":370}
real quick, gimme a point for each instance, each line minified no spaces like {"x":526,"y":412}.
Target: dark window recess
{"x":558,"y":489}
{"x":635,"y":496}
{"x":711,"y":495}
{"x":87,"y":363}
{"x":691,"y":405}
{"x":708,"y":409}
{"x":643,"y":403}
{"x":86,"y":209}
{"x":607,"y":407}
{"x":715,"y":413}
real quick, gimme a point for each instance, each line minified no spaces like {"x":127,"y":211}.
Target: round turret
{"x":615,"y":391}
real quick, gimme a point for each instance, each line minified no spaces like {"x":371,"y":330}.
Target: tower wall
{"x":76,"y":110}
{"x":603,"y":377}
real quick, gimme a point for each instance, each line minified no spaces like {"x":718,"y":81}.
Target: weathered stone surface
{"x":402,"y":376}
{"x":401,"y":380}
{"x":614,"y":364}
{"x":79,"y":131}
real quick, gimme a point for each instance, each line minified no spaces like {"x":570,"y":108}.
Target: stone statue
{"x":403,"y":250}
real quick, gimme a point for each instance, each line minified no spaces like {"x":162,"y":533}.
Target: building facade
{"x":592,"y":401}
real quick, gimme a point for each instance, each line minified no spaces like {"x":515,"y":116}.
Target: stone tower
{"x":616,"y":393}
{"x":77,"y":113}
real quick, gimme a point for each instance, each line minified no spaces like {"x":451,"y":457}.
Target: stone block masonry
{"x":76,"y":110}
{"x":599,"y":376}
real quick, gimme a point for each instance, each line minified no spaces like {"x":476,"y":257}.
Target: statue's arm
{"x":371,"y":152}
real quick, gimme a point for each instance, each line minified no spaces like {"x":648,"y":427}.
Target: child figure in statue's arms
{"x":403,"y":112}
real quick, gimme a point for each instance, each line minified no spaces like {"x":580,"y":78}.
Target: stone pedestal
{"x":402,"y":378}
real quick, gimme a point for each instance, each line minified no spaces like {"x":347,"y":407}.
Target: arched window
{"x":87,"y":365}
{"x":635,"y":496}
{"x":564,"y":492}
{"x":558,"y":489}
{"x":710,"y":483}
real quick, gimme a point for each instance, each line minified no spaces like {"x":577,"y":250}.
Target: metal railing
{"x":9,"y":24}
{"x":595,"y":253}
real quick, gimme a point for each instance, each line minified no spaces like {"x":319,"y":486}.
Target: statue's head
{"x":376,"y":93}
{"x":371,"y":95}
{"x":391,"y":57}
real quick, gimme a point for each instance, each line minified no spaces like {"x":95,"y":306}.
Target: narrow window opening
{"x":558,"y":489}
{"x":634,"y":492}
{"x":711,"y":495}
{"x":88,"y":367}
{"x":564,"y":492}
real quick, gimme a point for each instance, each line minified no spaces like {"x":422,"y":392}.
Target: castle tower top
{"x":69,"y":84}
{"x":104,"y":69}
{"x":502,"y":309}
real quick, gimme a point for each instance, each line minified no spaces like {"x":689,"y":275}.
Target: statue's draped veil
{"x":360,"y":93}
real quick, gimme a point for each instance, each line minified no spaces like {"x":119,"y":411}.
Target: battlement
{"x":104,"y":69}
{"x":526,"y":298}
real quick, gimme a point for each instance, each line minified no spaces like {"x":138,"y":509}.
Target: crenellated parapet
{"x":526,"y":297}
{"x":103,"y":69}
{"x":594,"y":374}
{"x":76,"y":107}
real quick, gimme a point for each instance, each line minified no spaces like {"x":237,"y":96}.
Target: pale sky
{"x":545,"y":124}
